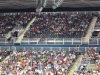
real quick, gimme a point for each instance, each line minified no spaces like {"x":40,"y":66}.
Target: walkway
{"x":89,"y":33}
{"x":4,"y":60}
{"x":75,"y":65}
{"x":21,"y":36}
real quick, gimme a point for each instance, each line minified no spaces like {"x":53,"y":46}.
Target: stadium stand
{"x":4,"y":53}
{"x":9,"y":21}
{"x":37,"y":62}
{"x":52,"y":28}
{"x":59,"y":25}
{"x":90,"y":58}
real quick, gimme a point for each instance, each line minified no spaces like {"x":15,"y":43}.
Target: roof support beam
{"x":40,"y":5}
{"x":57,"y":3}
{"x":87,"y":3}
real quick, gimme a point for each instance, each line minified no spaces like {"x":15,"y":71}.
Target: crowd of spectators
{"x":38,"y":62}
{"x":4,"y":54}
{"x":9,"y":20}
{"x":59,"y":25}
{"x":90,"y":57}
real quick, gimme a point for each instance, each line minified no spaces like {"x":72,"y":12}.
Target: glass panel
{"x":2,"y":40}
{"x":99,"y":41}
{"x":10,"y":42}
{"x":65,"y":48}
{"x":28,"y":48}
{"x":77,"y":41}
{"x":33,"y":40}
{"x":19,"y":48}
{"x":69,"y":43}
{"x":98,"y":48}
{"x":85,"y":40}
{"x":50,"y":40}
{"x":68,"y":39}
{"x":24,"y":41}
{"x":93,"y":41}
{"x":41,"y":41}
{"x":37,"y":48}
{"x":55,"y":48}
{"x":59,"y":41}
{"x":2,"y":47}
{"x":82,"y":49}
{"x":46,"y":48}
{"x":72,"y":48}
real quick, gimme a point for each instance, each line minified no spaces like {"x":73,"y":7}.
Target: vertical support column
{"x":97,"y":41}
{"x":72,"y":41}
{"x":28,"y":41}
{"x":46,"y":41}
{"x":60,"y":48}
{"x":41,"y":48}
{"x":37,"y":40}
{"x":24,"y":48}
{"x":69,"y":48}
{"x":81,"y":41}
{"x":85,"y":49}
{"x":32,"y":48}
{"x":63,"y":41}
{"x":15,"y":48}
{"x":54,"y":40}
{"x":50,"y":48}
{"x":5,"y":40}
{"x":88,"y":40}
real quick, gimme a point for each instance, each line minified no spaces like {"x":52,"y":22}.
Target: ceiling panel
{"x":19,"y":4}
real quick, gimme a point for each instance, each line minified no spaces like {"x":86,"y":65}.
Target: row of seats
{"x":4,"y":54}
{"x":9,"y":21}
{"x":38,"y":62}
{"x":91,"y":57}
{"x":59,"y":25}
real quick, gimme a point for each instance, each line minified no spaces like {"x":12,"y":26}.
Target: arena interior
{"x":49,"y":37}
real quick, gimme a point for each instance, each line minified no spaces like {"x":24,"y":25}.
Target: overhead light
{"x":40,"y":5}
{"x":39,"y":9}
{"x":57,"y":3}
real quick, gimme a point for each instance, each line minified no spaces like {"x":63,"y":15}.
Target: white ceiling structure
{"x":21,"y":4}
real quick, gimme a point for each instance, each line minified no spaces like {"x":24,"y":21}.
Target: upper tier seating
{"x":59,"y":25}
{"x":9,"y":21}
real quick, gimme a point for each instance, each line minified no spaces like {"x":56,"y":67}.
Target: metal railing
{"x":62,"y":41}
{"x":77,"y":49}
{"x":52,"y":41}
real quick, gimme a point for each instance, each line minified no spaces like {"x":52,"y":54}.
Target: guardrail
{"x":77,"y":49}
{"x":52,"y":41}
{"x":63,"y":41}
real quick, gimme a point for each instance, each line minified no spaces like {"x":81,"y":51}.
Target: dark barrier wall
{"x":80,"y":49}
{"x":51,"y":10}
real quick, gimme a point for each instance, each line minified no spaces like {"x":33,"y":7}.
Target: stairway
{"x":89,"y":32}
{"x":21,"y":36}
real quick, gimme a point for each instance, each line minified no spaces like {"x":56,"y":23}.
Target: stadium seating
{"x":38,"y":62}
{"x":59,"y":25}
{"x":4,"y":54}
{"x":9,"y":21}
{"x":90,"y":58}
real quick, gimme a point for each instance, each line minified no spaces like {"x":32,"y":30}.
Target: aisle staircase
{"x":21,"y":36}
{"x":75,"y":65}
{"x":89,"y":32}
